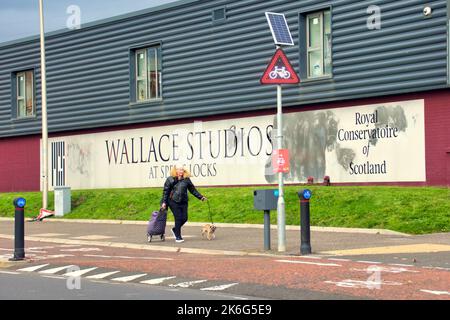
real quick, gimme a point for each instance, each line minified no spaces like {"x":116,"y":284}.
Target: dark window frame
{"x":133,"y":74}
{"x":303,"y":45}
{"x":14,"y":92}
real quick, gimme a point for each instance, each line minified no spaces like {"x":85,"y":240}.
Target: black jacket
{"x":177,"y":190}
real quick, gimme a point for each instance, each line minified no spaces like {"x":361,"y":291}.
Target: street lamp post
{"x":44,"y":112}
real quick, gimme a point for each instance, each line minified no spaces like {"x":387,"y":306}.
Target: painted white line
{"x":385,"y":269}
{"x":369,"y":262}
{"x":220,"y":288}
{"x":55,"y":270}
{"x":54,"y":277}
{"x":129,"y":278}
{"x":438,"y":293}
{"x":401,"y":265}
{"x":102,"y":275}
{"x":9,"y":250}
{"x":312,"y":263}
{"x":157,"y":280}
{"x":34,"y":268}
{"x":337,"y":259}
{"x":81,"y":250}
{"x":358,"y":284}
{"x":79,"y":273}
{"x":187,"y":284}
{"x":126,"y":257}
{"x":9,"y":272}
{"x":437,"y":268}
{"x":40,"y":248}
{"x":311,"y":257}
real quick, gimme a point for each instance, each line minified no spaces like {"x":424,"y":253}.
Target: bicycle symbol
{"x":279,"y":73}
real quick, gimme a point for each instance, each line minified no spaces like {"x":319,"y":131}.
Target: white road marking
{"x":358,"y":284}
{"x":54,"y":277}
{"x":385,"y":269}
{"x":45,"y":235}
{"x":55,"y":256}
{"x":126,"y":257}
{"x":219,"y":288}
{"x":157,"y":280}
{"x":129,"y":278}
{"x":81,"y":250}
{"x":40,"y":248}
{"x":34,"y":268}
{"x":438,"y":293}
{"x":55,"y":270}
{"x":102,"y":275}
{"x":187,"y":284}
{"x":369,"y":262}
{"x":312,"y":263}
{"x":337,"y":259}
{"x":9,"y":272}
{"x":9,"y":250}
{"x":401,"y":265}
{"x":79,"y":273}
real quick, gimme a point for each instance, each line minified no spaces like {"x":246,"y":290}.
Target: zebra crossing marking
{"x":157,"y":280}
{"x":102,"y":275}
{"x":79,"y":273}
{"x":219,"y":288}
{"x":129,"y":278}
{"x":34,"y":268}
{"x":55,"y":270}
{"x":187,"y":284}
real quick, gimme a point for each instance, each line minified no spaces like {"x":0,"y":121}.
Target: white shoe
{"x":179,"y":240}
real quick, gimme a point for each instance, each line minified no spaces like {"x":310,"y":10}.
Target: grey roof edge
{"x":100,"y":22}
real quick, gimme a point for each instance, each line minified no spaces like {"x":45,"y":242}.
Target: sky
{"x":20,"y":18}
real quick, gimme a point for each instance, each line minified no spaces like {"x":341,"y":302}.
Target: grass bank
{"x":414,"y":210}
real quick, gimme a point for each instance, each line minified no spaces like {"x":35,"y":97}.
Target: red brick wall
{"x":19,"y":164}
{"x":437,"y":137}
{"x":19,"y":157}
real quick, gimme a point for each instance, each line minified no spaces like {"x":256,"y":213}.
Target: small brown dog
{"x":208,"y":231}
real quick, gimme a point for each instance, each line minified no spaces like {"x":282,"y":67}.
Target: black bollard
{"x":19,"y":230}
{"x":266,"y":229}
{"x":305,"y":247}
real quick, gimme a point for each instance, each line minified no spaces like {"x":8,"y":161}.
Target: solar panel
{"x":280,"y":30}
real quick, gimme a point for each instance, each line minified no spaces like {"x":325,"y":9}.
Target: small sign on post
{"x":280,"y":161}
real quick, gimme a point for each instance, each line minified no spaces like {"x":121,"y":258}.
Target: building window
{"x":25,"y":94}
{"x":318,"y":33}
{"x":148,"y":74}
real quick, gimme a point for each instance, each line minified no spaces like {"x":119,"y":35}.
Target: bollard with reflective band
{"x":305,"y":235}
{"x":19,"y":229}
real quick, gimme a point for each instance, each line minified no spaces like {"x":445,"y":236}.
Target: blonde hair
{"x":173,"y":171}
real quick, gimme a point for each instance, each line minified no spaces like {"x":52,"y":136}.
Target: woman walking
{"x":176,"y":197}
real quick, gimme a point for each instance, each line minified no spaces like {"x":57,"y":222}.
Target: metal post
{"x":44,"y":112}
{"x":281,"y":218}
{"x":266,"y":229}
{"x":19,"y":230}
{"x":305,"y":247}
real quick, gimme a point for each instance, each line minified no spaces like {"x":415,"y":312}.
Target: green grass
{"x":414,"y":210}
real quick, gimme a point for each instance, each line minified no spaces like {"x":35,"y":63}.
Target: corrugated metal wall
{"x":215,"y":68}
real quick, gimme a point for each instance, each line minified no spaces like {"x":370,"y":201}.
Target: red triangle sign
{"x":280,"y":70}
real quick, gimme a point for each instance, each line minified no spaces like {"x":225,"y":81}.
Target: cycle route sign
{"x":280,"y":71}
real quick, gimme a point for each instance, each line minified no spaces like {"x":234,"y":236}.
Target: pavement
{"x":234,"y":239}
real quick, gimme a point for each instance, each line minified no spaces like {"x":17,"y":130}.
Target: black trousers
{"x":180,"y":213}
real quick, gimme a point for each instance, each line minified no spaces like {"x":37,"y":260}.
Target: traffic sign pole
{"x":281,"y":216}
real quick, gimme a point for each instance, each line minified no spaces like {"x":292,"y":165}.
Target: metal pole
{"x":44,"y":112}
{"x":281,"y":218}
{"x":266,"y":229}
